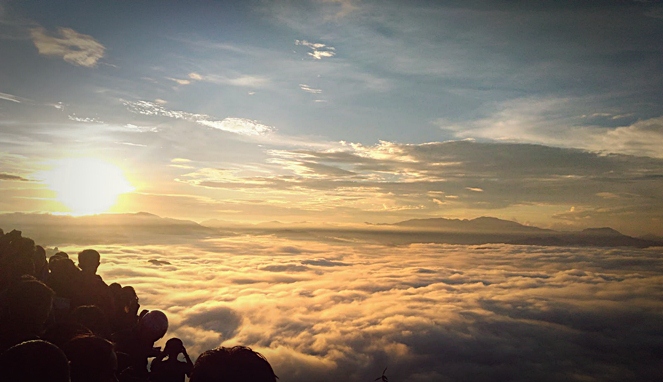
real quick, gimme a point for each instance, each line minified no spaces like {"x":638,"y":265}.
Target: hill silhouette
{"x":482,"y":224}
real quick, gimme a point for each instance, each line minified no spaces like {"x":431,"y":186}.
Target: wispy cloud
{"x":5,"y":176}
{"x":11,"y":98}
{"x":84,"y":119}
{"x":75,"y":48}
{"x":344,"y":7}
{"x":241,"y":126}
{"x":180,"y":81}
{"x":318,"y":50}
{"x":237,"y":80}
{"x":309,"y":89}
{"x":552,"y":122}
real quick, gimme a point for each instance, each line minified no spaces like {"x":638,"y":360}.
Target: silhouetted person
{"x":126,"y":306}
{"x":16,"y":254}
{"x":66,"y":280}
{"x":57,"y":256}
{"x":27,"y":305}
{"x":93,"y":290}
{"x":167,"y":368}
{"x":89,"y":261}
{"x":37,"y":361}
{"x":138,"y":343}
{"x":93,"y":318}
{"x":236,"y":364}
{"x":40,"y":263}
{"x":92,"y":359}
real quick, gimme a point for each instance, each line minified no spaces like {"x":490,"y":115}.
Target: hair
{"x":235,"y":364}
{"x":173,"y":345}
{"x":88,"y":257}
{"x":29,"y":302}
{"x":90,"y":358}
{"x":34,"y":361}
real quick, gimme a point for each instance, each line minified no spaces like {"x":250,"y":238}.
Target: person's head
{"x":92,"y":359}
{"x":115,"y":289}
{"x":130,"y":300}
{"x":174,"y":347}
{"x":29,"y":304}
{"x":89,"y":260}
{"x":236,"y":364}
{"x":34,"y":361}
{"x":55,"y":258}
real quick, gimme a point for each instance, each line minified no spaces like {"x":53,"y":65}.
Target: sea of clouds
{"x":325,"y":311}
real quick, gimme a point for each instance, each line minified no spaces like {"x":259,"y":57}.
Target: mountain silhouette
{"x":482,"y":224}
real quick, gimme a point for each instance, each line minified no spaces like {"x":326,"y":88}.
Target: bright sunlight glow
{"x":86,"y":185}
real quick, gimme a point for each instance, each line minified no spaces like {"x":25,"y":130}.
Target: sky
{"x":547,"y":113}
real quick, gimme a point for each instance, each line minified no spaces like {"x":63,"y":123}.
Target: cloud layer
{"x":333,"y":311}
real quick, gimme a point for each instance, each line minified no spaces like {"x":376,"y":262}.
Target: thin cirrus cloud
{"x":239,"y":80}
{"x":10,"y":97}
{"x":318,"y":49}
{"x":240,"y":126}
{"x":73,"y":47}
{"x":309,"y":89}
{"x":425,"y":311}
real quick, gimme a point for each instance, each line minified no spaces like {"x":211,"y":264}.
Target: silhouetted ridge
{"x":481,"y":224}
{"x":603,"y":231}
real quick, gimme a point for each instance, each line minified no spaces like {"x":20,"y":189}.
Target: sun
{"x":86,"y":185}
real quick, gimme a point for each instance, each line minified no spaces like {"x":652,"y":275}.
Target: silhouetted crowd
{"x":61,"y":322}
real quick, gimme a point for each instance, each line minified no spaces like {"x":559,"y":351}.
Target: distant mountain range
{"x":482,"y":224}
{"x":144,"y":227}
{"x":494,"y":230}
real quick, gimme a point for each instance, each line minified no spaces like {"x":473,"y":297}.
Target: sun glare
{"x":86,"y":185}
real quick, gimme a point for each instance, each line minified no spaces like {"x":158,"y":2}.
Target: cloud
{"x":557,"y":122}
{"x":9,"y":97}
{"x":425,"y":311}
{"x":195,"y":76}
{"x":309,"y":89}
{"x":5,"y":176}
{"x":346,"y":6}
{"x":398,"y":180}
{"x":324,"y":263}
{"x":75,"y":48}
{"x":180,"y":81}
{"x":318,"y":50}
{"x":240,"y":80}
{"x":84,"y":119}
{"x":240,"y":126}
